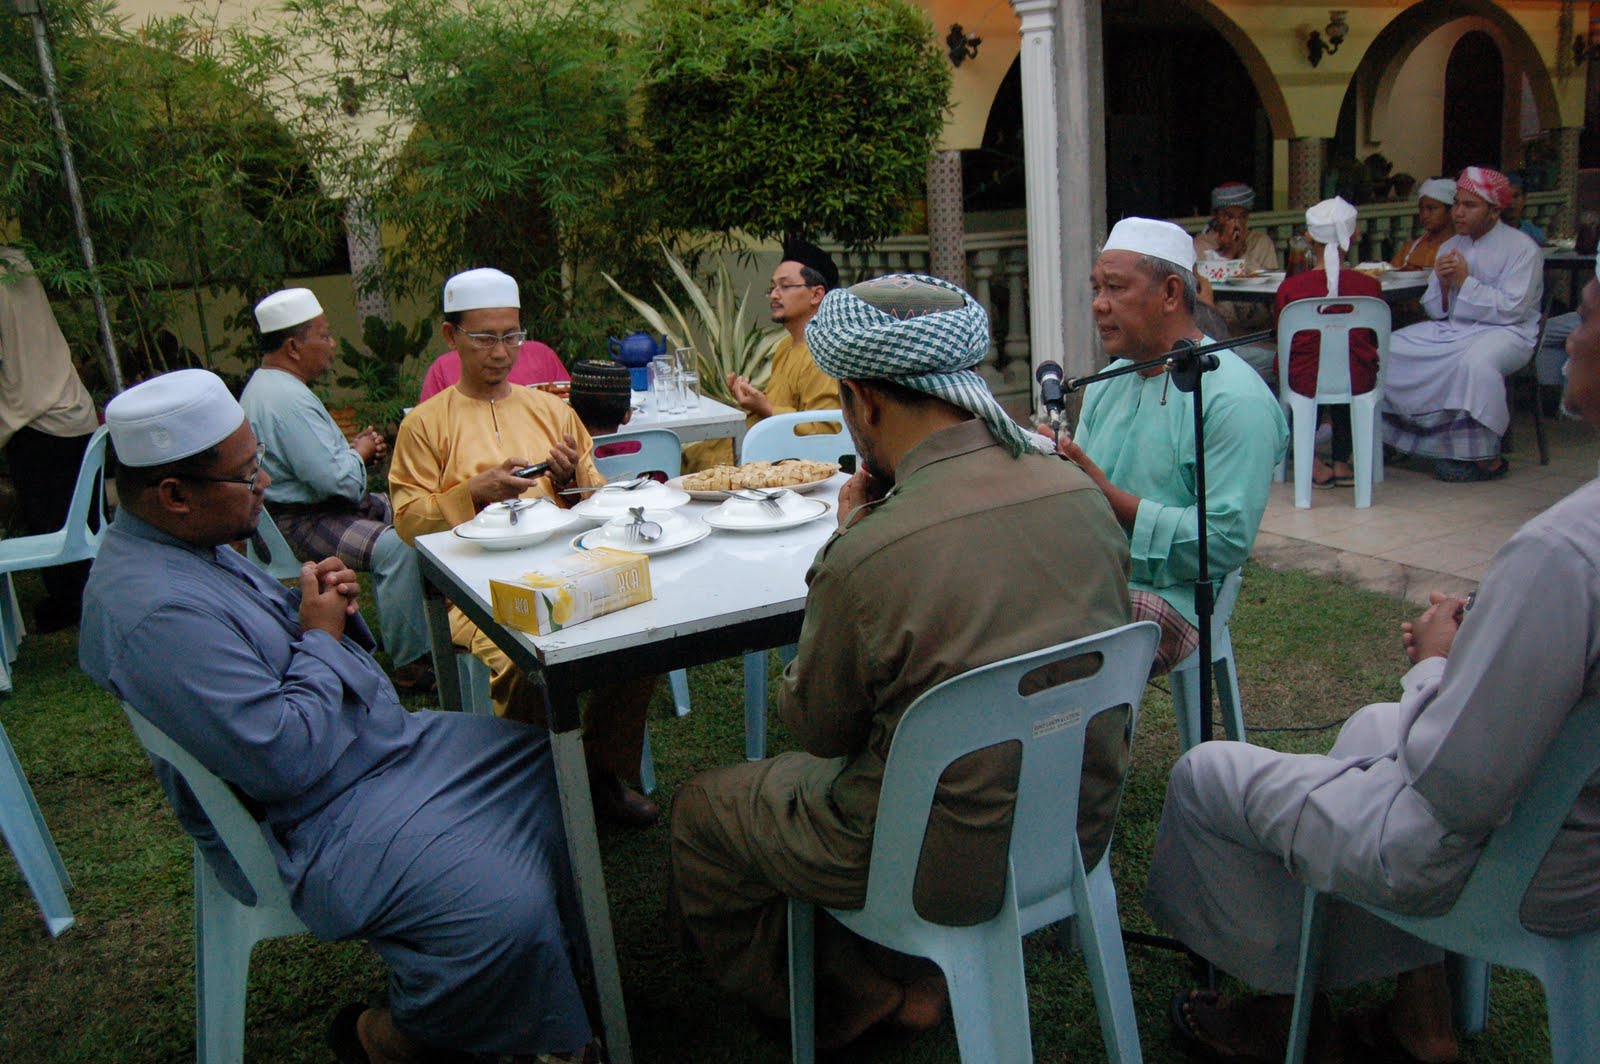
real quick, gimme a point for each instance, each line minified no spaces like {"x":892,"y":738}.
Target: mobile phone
{"x":531,"y":471}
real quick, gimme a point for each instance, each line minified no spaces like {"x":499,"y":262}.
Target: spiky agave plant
{"x":725,"y":334}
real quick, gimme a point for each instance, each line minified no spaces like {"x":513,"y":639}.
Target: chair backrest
{"x":981,"y":708}
{"x":1517,"y":848}
{"x":238,"y":830}
{"x":773,"y":438}
{"x":1332,"y":317}
{"x":88,"y":499}
{"x":656,"y":451}
{"x":269,"y":550}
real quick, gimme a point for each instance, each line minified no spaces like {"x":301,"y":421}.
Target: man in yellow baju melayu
{"x":799,"y":282}
{"x":456,"y":453}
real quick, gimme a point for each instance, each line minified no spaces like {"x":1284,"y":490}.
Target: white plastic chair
{"x":659,"y":451}
{"x":278,"y":561}
{"x":1484,"y":925}
{"x":772,"y":439}
{"x":1185,"y":675}
{"x":11,"y":629}
{"x":1046,"y":881}
{"x":29,"y":839}
{"x":1333,"y":317}
{"x":74,"y":541}
{"x":225,"y":929}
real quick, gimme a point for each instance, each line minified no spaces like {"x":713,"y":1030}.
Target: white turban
{"x":1155,"y":238}
{"x":1332,"y":223}
{"x":1441,"y":189}
{"x":176,"y":415}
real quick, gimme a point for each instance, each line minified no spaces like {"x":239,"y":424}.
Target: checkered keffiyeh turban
{"x":1489,"y":185}
{"x":919,"y":332}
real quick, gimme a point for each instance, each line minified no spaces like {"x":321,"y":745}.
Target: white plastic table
{"x":726,"y":595}
{"x":708,"y":420}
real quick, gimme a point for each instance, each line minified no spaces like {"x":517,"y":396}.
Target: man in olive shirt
{"x":951,"y":516}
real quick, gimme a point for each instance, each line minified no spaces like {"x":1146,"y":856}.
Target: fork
{"x":769,"y":499}
{"x":641,"y":530}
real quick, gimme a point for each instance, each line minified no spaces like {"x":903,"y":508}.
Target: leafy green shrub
{"x":725,"y":336}
{"x":198,"y":198}
{"x":387,"y":376}
{"x":792,"y":117}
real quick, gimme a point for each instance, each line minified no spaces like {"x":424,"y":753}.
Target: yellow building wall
{"x":974,"y":83}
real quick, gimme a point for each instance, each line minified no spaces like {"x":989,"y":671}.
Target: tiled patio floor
{"x":1421,"y":534}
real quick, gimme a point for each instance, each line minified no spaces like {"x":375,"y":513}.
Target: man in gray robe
{"x":1398,"y":811}
{"x":435,"y":837}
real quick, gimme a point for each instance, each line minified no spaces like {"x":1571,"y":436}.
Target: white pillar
{"x":1039,"y":131}
{"x":1080,"y":89}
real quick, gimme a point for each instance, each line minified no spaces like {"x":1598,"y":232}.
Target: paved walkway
{"x":1421,"y":534}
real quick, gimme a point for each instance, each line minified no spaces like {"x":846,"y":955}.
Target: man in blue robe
{"x":436,"y":837}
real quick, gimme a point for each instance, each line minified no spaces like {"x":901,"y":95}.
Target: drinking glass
{"x":660,"y":381}
{"x":688,"y":367}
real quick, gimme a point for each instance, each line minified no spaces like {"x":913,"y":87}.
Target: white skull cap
{"x":286,"y":309}
{"x":172,"y":416}
{"x":1150,"y":236}
{"x":482,"y":289}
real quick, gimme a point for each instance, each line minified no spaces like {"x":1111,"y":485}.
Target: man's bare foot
{"x":924,"y":1003}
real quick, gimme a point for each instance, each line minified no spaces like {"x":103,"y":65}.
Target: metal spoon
{"x":642,"y":530}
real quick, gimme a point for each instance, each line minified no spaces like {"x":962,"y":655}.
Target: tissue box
{"x":577,"y":588}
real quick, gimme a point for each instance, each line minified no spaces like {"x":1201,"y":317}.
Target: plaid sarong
{"x":337,"y":529}
{"x":1441,"y":434}
{"x":1179,"y":638}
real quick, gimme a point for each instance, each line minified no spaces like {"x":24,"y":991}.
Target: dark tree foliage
{"x":792,"y":117}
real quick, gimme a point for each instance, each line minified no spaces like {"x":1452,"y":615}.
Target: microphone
{"x":1050,"y":394}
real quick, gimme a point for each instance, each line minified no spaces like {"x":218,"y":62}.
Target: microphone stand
{"x":1186,"y":364}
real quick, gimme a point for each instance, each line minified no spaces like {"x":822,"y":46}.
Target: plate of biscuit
{"x":796,"y":474}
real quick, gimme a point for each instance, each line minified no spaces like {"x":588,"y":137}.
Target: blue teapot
{"x":635,"y":351}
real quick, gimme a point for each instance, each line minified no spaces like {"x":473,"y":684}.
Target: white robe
{"x":1397,"y":813}
{"x":1481,"y":332}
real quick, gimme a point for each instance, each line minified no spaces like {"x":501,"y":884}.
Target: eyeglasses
{"x":486,"y":341}
{"x":249,"y":481}
{"x":780,"y":288}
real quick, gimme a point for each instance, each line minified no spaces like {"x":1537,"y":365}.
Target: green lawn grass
{"x":119,"y":985}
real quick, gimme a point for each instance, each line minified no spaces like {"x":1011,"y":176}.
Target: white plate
{"x":608,"y":502}
{"x":796,"y":512}
{"x":1408,"y":275}
{"x":719,"y":495}
{"x":677,"y":530}
{"x":534,"y":525}
{"x":1260,"y":280}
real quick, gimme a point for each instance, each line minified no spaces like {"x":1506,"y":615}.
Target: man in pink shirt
{"x":536,"y":364}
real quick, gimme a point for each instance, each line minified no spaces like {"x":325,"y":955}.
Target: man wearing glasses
{"x":799,"y":282}
{"x":318,"y":496}
{"x":458,"y":452}
{"x":433,"y":836}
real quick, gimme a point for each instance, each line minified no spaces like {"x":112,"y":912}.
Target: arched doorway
{"x":1182,"y":113}
{"x":1182,"y":116}
{"x":1474,"y":101}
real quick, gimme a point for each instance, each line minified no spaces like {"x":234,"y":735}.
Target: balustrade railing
{"x":997,"y":272}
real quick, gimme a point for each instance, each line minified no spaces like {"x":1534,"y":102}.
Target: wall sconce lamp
{"x":1582,"y":49}
{"x":961,"y":46}
{"x":1336,"y":30}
